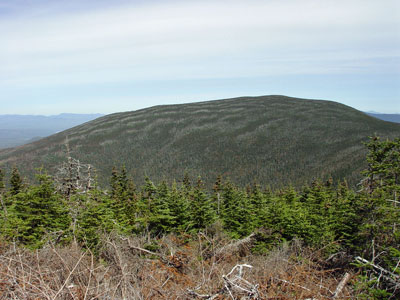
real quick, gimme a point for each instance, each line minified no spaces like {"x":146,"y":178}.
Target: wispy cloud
{"x":65,"y":42}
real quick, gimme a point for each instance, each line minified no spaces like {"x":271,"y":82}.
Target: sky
{"x":98,"y":56}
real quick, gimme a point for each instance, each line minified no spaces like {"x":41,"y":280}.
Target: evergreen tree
{"x":123,"y":180}
{"x":378,"y":210}
{"x":94,"y":218}
{"x":160,"y":218}
{"x":2,"y":186}
{"x":114,"y":183}
{"x":2,"y":200}
{"x":123,"y":200}
{"x":237,"y":215}
{"x":344,"y":220}
{"x":15,"y":182}
{"x":383,"y":171}
{"x":37,"y":212}
{"x":179,"y":209}
{"x":379,"y":204}
{"x":202,"y":212}
{"x":316,"y":205}
{"x":144,"y":206}
{"x":258,"y":202}
{"x":187,"y":185}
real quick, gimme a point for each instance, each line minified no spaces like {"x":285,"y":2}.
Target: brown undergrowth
{"x":174,"y":268}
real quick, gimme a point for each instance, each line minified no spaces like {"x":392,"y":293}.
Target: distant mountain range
{"x":17,"y":130}
{"x":273,"y":140}
{"x":386,"y":117}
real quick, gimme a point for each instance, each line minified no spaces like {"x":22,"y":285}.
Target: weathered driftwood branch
{"x":233,"y":283}
{"x":341,"y":285}
{"x":146,"y":251}
{"x":239,"y":283}
{"x":162,"y":257}
{"x":235,"y":245}
{"x":387,"y":275}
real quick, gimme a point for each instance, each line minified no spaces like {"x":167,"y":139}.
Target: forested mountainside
{"x":272,"y":140}
{"x":66,"y":238}
{"x":395,"y":118}
{"x":17,"y":130}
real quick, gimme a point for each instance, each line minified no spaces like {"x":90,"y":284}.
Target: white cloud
{"x":193,"y":39}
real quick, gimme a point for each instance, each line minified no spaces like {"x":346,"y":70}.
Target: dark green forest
{"x":325,"y":215}
{"x":275,"y":140}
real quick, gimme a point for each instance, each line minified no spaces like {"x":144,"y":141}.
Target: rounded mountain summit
{"x":271,"y":140}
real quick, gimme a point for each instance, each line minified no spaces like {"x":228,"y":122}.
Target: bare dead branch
{"x":387,"y":275}
{"x":341,"y":285}
{"x":69,"y":275}
{"x":235,"y":245}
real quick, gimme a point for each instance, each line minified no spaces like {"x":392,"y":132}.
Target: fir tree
{"x":258,"y":202}
{"x":187,"y":185}
{"x":37,"y":212}
{"x":344,"y":220}
{"x":2,"y":200}
{"x":237,"y":214}
{"x":123,"y":200}
{"x":2,"y":186}
{"x":144,"y":206}
{"x":160,"y":218}
{"x":180,"y":209}
{"x":114,"y":183}
{"x":202,"y":212}
{"x":123,"y":180}
{"x":95,"y":218}
{"x":15,"y":182}
{"x":379,"y":204}
{"x":383,"y":166}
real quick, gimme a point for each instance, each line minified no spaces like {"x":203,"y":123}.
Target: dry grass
{"x":178,"y":270}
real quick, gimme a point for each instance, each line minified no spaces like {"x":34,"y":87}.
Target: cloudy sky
{"x":117,"y":55}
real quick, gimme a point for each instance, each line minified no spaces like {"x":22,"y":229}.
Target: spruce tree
{"x":95,"y":218}
{"x":123,"y":200}
{"x":179,"y":208}
{"x":237,"y":213}
{"x":344,"y":220}
{"x":2,"y":200}
{"x":16,"y":184}
{"x":187,"y":185}
{"x":379,"y":205}
{"x":314,"y":214}
{"x":144,"y":207}
{"x":202,"y":211}
{"x":2,"y":185}
{"x":258,"y":202}
{"x":383,"y":171}
{"x":160,"y":218}
{"x":37,"y":212}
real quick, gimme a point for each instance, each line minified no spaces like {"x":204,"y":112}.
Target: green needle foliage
{"x":2,"y":185}
{"x":37,"y":212}
{"x":237,"y":215}
{"x":15,"y":182}
{"x":201,"y":208}
{"x":323,"y":215}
